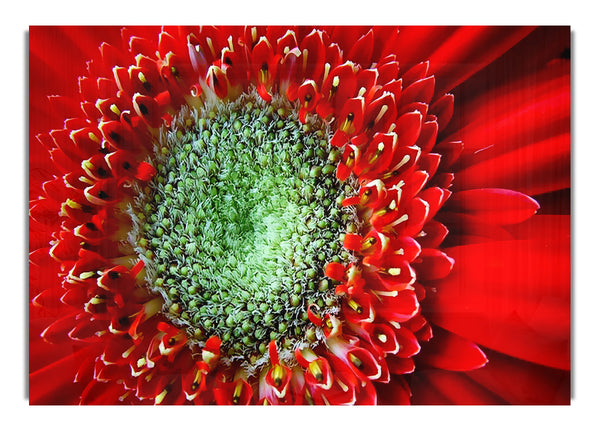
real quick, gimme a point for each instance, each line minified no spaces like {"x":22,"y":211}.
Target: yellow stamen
{"x":210,"y":45}
{"x":347,"y":123}
{"x":342,"y":385}
{"x":142,"y":78}
{"x":127,"y":352}
{"x":334,"y":86}
{"x":94,"y":138}
{"x":350,"y":159}
{"x":237,"y":392}
{"x":357,"y":362}
{"x":394,"y":171}
{"x":315,"y":370}
{"x":389,"y":208}
{"x":394,"y":271}
{"x":86,"y":164}
{"x":399,"y":220}
{"x":304,"y":58}
{"x":308,"y":397}
{"x":277,"y":374}
{"x":355,"y":306}
{"x":326,"y":71}
{"x":336,"y":81}
{"x":116,"y":110}
{"x":96,"y":300}
{"x":264,"y":76}
{"x":379,"y":152}
{"x":159,"y":399}
{"x":382,"y":112}
{"x":367,"y":243}
{"x":86,"y":275}
{"x":85,"y":180}
{"x":382,"y":337}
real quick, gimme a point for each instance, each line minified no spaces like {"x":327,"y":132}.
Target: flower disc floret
{"x":241,"y":219}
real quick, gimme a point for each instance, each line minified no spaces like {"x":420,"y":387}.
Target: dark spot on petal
{"x":143,"y":109}
{"x":114,"y":136}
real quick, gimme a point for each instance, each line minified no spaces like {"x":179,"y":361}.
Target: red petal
{"x":470,"y":49}
{"x":467,"y":229}
{"x":494,"y":206}
{"x":145,"y":171}
{"x":395,"y":392}
{"x":443,"y":108}
{"x":432,"y":264}
{"x":521,"y":382}
{"x":362,"y":50}
{"x":512,"y":296}
{"x":435,"y":232}
{"x":54,"y":384}
{"x":409,"y":346}
{"x":397,"y":308}
{"x":455,"y":388}
{"x":451,"y":352}
{"x":99,"y":393}
{"x":408,"y":127}
{"x":419,"y":91}
{"x":534,"y":169}
{"x":314,"y":60}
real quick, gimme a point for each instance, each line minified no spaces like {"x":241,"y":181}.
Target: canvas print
{"x":299,"y":215}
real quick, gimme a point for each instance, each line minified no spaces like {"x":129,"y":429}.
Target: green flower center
{"x":241,"y":219}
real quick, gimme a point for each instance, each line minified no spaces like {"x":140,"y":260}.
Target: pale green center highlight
{"x":240,"y":221}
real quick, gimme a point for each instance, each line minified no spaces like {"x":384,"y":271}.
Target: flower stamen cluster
{"x":241,"y":218}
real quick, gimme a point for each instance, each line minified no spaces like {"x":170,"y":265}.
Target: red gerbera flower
{"x":247,"y":215}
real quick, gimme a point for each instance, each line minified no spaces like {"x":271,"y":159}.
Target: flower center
{"x":240,"y":221}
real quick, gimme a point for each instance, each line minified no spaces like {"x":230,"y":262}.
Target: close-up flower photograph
{"x":299,"y":215}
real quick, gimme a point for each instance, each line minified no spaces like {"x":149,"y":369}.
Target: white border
{"x":16,"y":19}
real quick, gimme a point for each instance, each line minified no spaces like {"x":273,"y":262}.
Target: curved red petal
{"x":493,"y":206}
{"x":451,"y":352}
{"x":512,"y":296}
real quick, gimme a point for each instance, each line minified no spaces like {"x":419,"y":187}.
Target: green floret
{"x":246,"y":217}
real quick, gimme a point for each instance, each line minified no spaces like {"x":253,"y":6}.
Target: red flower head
{"x":269,"y":215}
